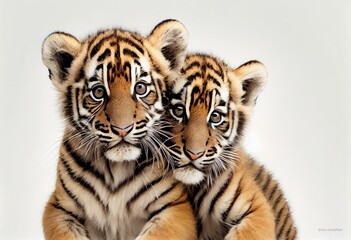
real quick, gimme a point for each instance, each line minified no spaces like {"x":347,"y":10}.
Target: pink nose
{"x":195,"y":154}
{"x":122,"y":131}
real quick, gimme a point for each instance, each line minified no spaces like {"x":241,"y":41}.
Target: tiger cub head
{"x":209,"y":105}
{"x":112,"y":84}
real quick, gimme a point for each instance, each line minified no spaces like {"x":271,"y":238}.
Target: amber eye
{"x":98,"y":93}
{"x":216,"y":118}
{"x":141,"y":88}
{"x":178,"y":110}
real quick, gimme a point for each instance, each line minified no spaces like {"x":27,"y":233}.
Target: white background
{"x":300,"y":130}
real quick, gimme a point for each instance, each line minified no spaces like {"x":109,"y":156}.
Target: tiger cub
{"x":112,"y":180}
{"x":233,"y":197}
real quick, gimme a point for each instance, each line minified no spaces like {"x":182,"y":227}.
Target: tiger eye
{"x":140,"y":88}
{"x":98,"y":92}
{"x":178,"y":110}
{"x":216,"y":117}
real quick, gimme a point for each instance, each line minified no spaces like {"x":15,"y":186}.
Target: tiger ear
{"x":58,"y":52}
{"x":250,"y":79}
{"x":171,"y":38}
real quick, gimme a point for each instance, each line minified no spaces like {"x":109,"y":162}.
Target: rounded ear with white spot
{"x":250,"y":78}
{"x":171,"y":38}
{"x":58,"y":52}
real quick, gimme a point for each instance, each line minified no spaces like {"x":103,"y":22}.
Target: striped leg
{"x":62,"y":220}
{"x":173,"y":221}
{"x":254,"y":218}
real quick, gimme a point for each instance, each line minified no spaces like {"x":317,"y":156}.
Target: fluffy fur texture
{"x":209,"y":106}
{"x":112,"y":178}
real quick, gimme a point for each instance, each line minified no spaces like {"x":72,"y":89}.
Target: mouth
{"x":188,"y":174}
{"x":121,"y":143}
{"x":123,"y":151}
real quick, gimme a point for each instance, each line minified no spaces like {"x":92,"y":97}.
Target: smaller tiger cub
{"x":209,"y":106}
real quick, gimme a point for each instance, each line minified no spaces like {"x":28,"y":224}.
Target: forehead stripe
{"x":132,"y":43}
{"x":218,"y":72}
{"x":97,"y":46}
{"x":214,"y":80}
{"x":191,"y":65}
{"x":193,"y":76}
{"x":131,"y":53}
{"x":105,"y":54}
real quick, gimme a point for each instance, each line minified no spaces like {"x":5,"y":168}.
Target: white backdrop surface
{"x":301,"y":128}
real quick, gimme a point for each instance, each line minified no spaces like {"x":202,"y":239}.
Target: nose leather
{"x":122,"y":131}
{"x":195,"y":154}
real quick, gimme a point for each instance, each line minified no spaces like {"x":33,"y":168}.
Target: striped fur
{"x":209,"y":106}
{"x":285,"y":227}
{"x":112,"y":178}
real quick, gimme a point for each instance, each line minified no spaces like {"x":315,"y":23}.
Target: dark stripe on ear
{"x":248,"y":85}
{"x":64,"y":60}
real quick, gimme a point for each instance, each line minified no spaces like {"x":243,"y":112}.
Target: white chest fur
{"x":121,"y":206}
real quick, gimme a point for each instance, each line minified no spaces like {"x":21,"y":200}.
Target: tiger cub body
{"x":209,"y":105}
{"x":112,"y":178}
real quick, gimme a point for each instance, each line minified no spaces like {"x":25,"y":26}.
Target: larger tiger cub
{"x":233,"y":197}
{"x":112,"y":181}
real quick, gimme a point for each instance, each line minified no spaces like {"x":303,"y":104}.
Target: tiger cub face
{"x":112,"y":84}
{"x":208,"y":107}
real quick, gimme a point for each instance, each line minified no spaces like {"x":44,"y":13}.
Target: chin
{"x":188,"y":175}
{"x":123,"y":152}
